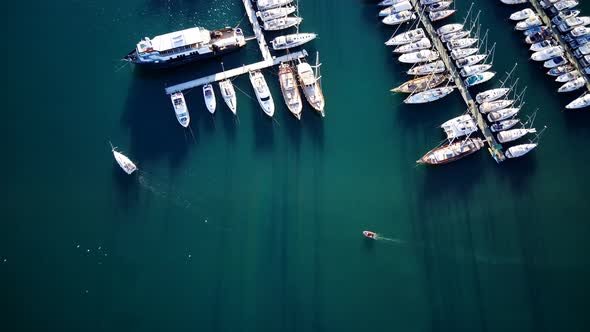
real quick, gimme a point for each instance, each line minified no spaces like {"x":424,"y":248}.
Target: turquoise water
{"x":256,"y":225}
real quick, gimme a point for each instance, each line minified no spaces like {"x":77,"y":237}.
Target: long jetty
{"x":235,"y":72}
{"x":257,"y":30}
{"x":568,"y":50}
{"x":494,"y":147}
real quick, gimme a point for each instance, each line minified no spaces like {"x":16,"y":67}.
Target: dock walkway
{"x":568,"y":50}
{"x":257,"y":30}
{"x":493,"y":146}
{"x":235,"y":72}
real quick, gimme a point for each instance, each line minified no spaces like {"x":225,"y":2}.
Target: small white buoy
{"x":205,"y":220}
{"x":4,"y":260}
{"x":86,"y":291}
{"x":87,"y":250}
{"x":189,"y":255}
{"x":78,"y":246}
{"x":99,"y":247}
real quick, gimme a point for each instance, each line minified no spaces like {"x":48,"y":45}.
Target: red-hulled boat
{"x":451,"y":152}
{"x":370,"y":235}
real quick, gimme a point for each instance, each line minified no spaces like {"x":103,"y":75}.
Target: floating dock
{"x":235,"y":72}
{"x":568,"y":50}
{"x":494,"y":147}
{"x":257,"y":30}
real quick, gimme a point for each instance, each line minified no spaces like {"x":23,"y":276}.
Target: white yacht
{"x":438,"y":6}
{"x":125,"y":163}
{"x":180,"y":109}
{"x":398,"y":7}
{"x":311,"y":87}
{"x":429,"y":95}
{"x":470,"y":60}
{"x":406,"y":37}
{"x":454,"y":35}
{"x":467,"y":71}
{"x":292,"y":40}
{"x":542,"y":45}
{"x":580,"y":31}
{"x":389,"y":2}
{"x":459,"y":53}
{"x":416,"y":46}
{"x":398,"y":18}
{"x":514,"y":134}
{"x":530,"y":22}
{"x":565,"y":4}
{"x":572,"y":22}
{"x":441,"y":15}
{"x":459,"y":126}
{"x":571,"y":75}
{"x":572,"y":85}
{"x":555,"y":62}
{"x":519,"y":150}
{"x":262,"y":92}
{"x":547,"y":53}
{"x":449,"y":28}
{"x":228,"y":93}
{"x":290,"y":90}
{"x":281,"y":23}
{"x":504,"y":125}
{"x":435,"y":67}
{"x":491,"y":106}
{"x":522,"y":14}
{"x":502,"y":114}
{"x":491,"y":95}
{"x":209,"y":96}
{"x":270,"y":4}
{"x":461,"y":43}
{"x":419,"y":56}
{"x":580,"y":102}
{"x":274,"y":13}
{"x":564,"y":15}
{"x":513,"y":2}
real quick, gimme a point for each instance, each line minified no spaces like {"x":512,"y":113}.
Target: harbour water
{"x":255,"y":225}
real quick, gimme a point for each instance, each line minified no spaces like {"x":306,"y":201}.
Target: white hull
{"x":491,"y":106}
{"x":572,"y":85}
{"x":514,"y":134}
{"x":209,"y":96}
{"x":491,"y":95}
{"x":281,"y":23}
{"x":580,"y":102}
{"x":398,"y":7}
{"x":406,"y":37}
{"x":470,"y":60}
{"x":419,"y":56}
{"x":274,"y":13}
{"x":180,"y":109}
{"x":522,"y":14}
{"x":441,"y":15}
{"x":429,"y":68}
{"x":513,"y":2}
{"x":399,"y":18}
{"x":504,"y":125}
{"x":454,"y":35}
{"x":292,"y":40}
{"x":389,"y":2}
{"x":502,"y":114}
{"x":423,"y":43}
{"x":475,"y":69}
{"x":461,"y":43}
{"x":580,"y":31}
{"x":125,"y":163}
{"x":228,"y":93}
{"x":543,"y":45}
{"x":530,"y":22}
{"x":519,"y":150}
{"x":449,"y":28}
{"x":547,"y":53}
{"x":565,"y":4}
{"x":429,"y":95}
{"x":552,"y":63}
{"x":262,"y":93}
{"x":269,"y":4}
{"x":459,"y":126}
{"x":441,"y":5}
{"x":572,"y":75}
{"x":463,"y":52}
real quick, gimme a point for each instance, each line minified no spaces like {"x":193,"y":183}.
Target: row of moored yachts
{"x":546,"y":47}
{"x":431,"y":73}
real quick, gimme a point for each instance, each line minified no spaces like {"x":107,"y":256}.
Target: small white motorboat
{"x":491,"y":95}
{"x":580,"y":31}
{"x":435,"y":67}
{"x":398,"y":18}
{"x":565,"y":4}
{"x":406,"y":37}
{"x":228,"y":93}
{"x":281,"y":23}
{"x":125,"y":163}
{"x":572,"y":75}
{"x":514,"y":134}
{"x":504,"y":125}
{"x":180,"y":109}
{"x":557,"y":61}
{"x":274,"y":13}
{"x":573,"y":22}
{"x":491,"y":106}
{"x":438,"y":6}
{"x":572,"y":85}
{"x":423,"y":43}
{"x":479,"y":78}
{"x":292,"y":40}
{"x":502,"y":114}
{"x":262,"y":92}
{"x":547,"y":53}
{"x":475,"y":69}
{"x":461,"y":43}
{"x":209,"y":96}
{"x":463,"y":52}
{"x":470,"y":60}
{"x":564,"y":15}
{"x":429,"y":95}
{"x":530,"y":22}
{"x":522,"y":14}
{"x":580,"y":102}
{"x":560,"y":70}
{"x":419,"y":56}
{"x":398,"y":7}
{"x":449,"y":28}
{"x":519,"y":150}
{"x":544,"y":44}
{"x":441,"y":15}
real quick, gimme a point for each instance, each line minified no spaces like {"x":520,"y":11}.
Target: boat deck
{"x":494,"y":147}
{"x":568,"y":50}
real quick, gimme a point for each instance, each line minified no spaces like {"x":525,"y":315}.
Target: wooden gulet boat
{"x":290,"y":90}
{"x":420,"y":84}
{"x":451,"y":152}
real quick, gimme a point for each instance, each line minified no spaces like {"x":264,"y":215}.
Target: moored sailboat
{"x":429,"y":95}
{"x":514,"y":134}
{"x":422,"y":83}
{"x":435,"y":67}
{"x":504,"y":125}
{"x":490,"y":106}
{"x":580,"y":102}
{"x":479,"y":78}
{"x":311,"y":86}
{"x":519,"y":150}
{"x":502,"y":114}
{"x":406,"y":37}
{"x":452,"y":152}
{"x":491,"y":95}
{"x":419,"y":56}
{"x":290,"y":90}
{"x":421,"y":44}
{"x":475,"y":69}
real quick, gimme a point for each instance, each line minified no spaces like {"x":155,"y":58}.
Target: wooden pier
{"x":568,"y":50}
{"x":235,"y":72}
{"x":494,"y":147}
